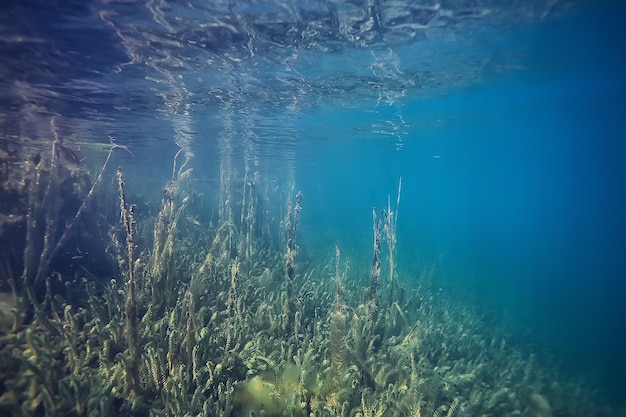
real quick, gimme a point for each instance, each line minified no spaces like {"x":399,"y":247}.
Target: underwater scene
{"x":352,"y":208}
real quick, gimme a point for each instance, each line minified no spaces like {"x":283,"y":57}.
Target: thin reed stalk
{"x":290,"y":257}
{"x":375,"y":275}
{"x":130,"y":307}
{"x":50,"y":207}
{"x":391,"y":222}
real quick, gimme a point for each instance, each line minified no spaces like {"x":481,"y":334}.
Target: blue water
{"x":507,"y":131}
{"x":515,"y":188}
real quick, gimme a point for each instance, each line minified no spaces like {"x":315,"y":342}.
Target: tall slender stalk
{"x":51,"y":217}
{"x":292,"y":229}
{"x":337,"y":280}
{"x":375,"y":275}
{"x":130,"y":307}
{"x":33,"y":246}
{"x":390,"y":236}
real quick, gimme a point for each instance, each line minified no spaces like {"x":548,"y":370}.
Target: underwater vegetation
{"x":219,"y":314}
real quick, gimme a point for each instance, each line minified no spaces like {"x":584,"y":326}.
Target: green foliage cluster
{"x":225,"y":323}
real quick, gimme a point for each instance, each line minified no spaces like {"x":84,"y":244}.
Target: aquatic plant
{"x":222,"y":317}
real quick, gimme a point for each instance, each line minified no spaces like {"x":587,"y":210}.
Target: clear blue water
{"x":505,"y":121}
